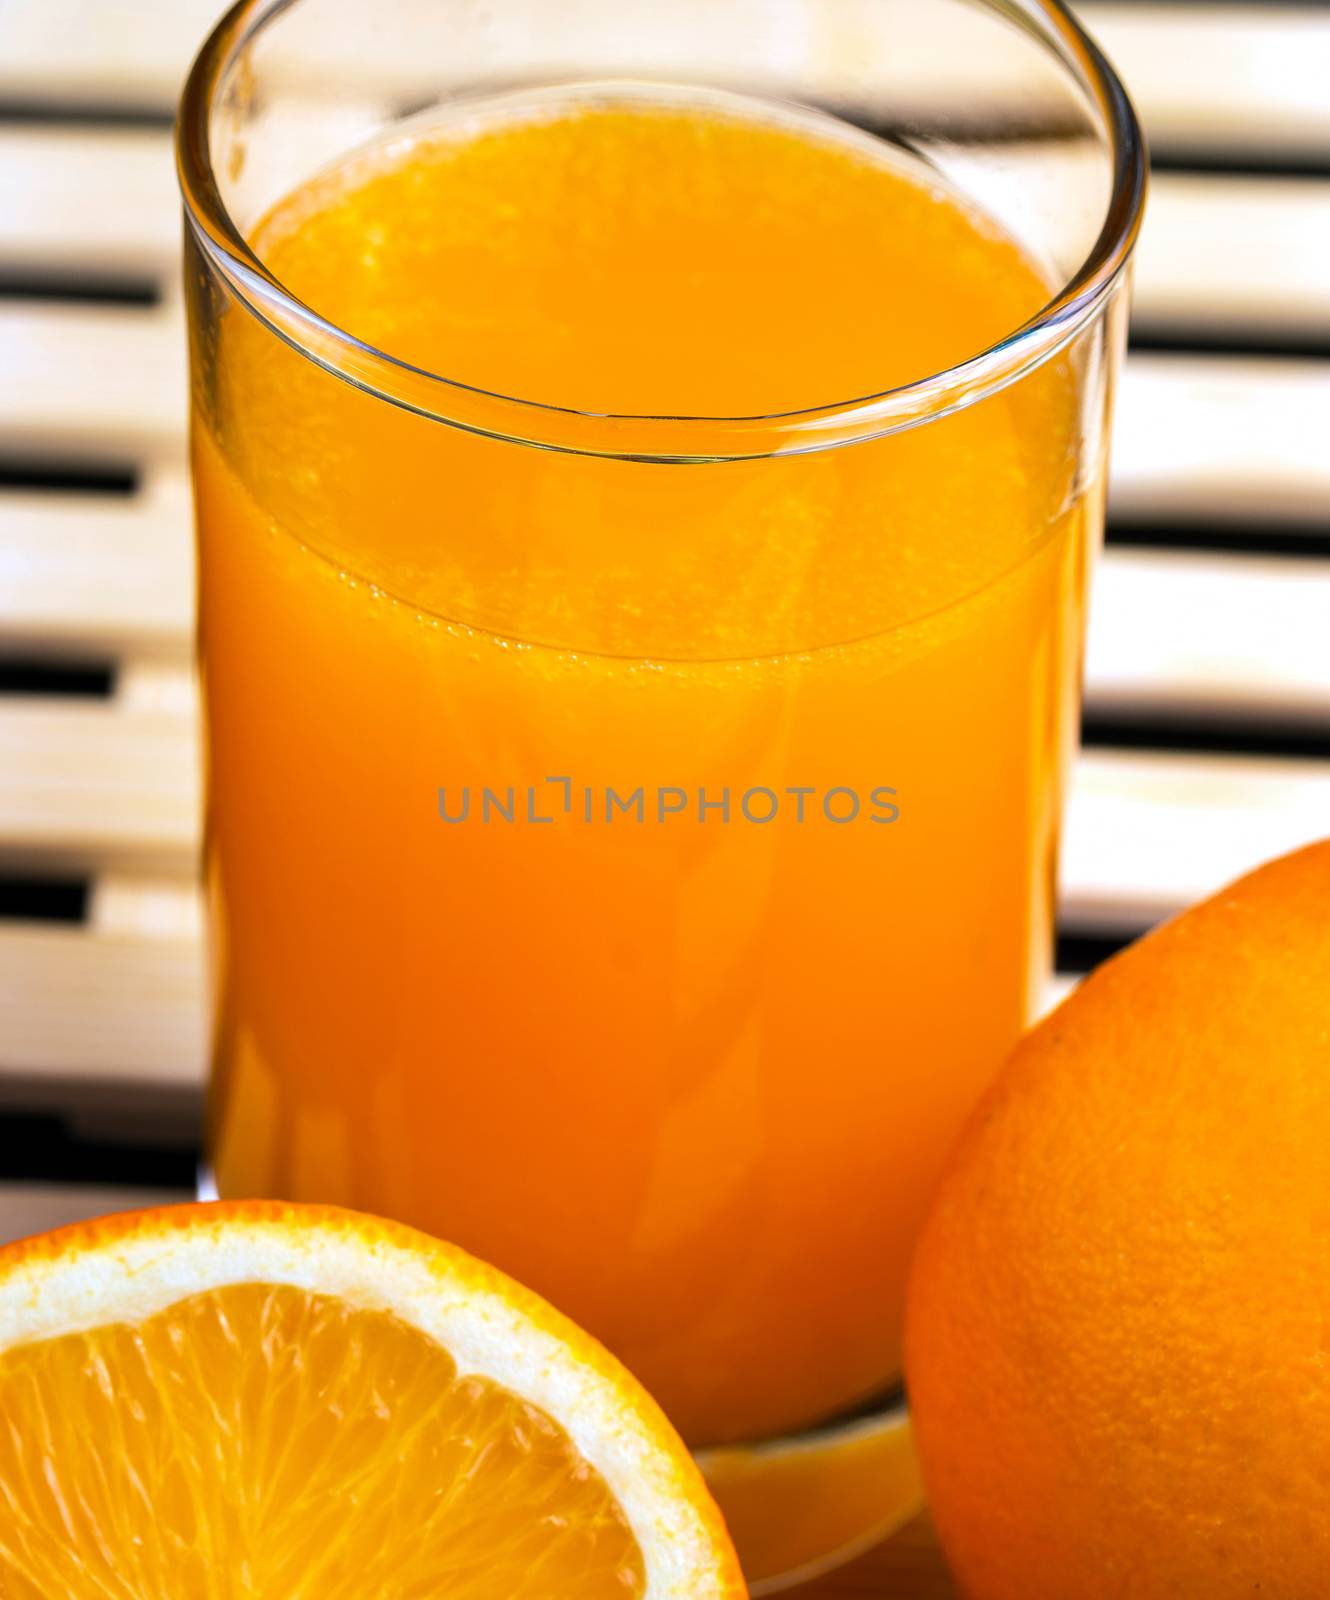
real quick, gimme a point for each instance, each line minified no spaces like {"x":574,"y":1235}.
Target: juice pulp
{"x":689,"y":1075}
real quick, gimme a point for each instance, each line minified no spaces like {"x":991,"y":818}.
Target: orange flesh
{"x":259,"y":1440}
{"x":693,"y":1082}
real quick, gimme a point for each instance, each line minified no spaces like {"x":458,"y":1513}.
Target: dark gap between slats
{"x":83,"y":114}
{"x":1216,"y":737}
{"x":1164,"y":157}
{"x":1291,"y":540}
{"x":1245,"y":5}
{"x":1291,"y":161}
{"x":1080,"y":953}
{"x":43,"y":899}
{"x":961,"y":129}
{"x":1309,"y":163}
{"x":56,"y":476}
{"x":43,"y":1149}
{"x":99,"y":288}
{"x":92,"y":680}
{"x":1231,"y":341}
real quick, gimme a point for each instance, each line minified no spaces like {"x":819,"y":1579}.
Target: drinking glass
{"x":635,"y":896}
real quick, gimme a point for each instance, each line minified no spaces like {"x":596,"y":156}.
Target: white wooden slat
{"x":579,"y":40}
{"x":101,"y":198}
{"x":90,"y":199}
{"x":92,"y":1011}
{"x":1210,"y":637}
{"x":144,"y":1071}
{"x":1222,"y":438}
{"x":84,"y":783}
{"x":153,"y":908}
{"x":1219,"y":253}
{"x":96,"y":574}
{"x":1197,"y":436}
{"x":141,"y":65}
{"x":99,"y":1010}
{"x":99,"y":53}
{"x":1226,"y":78}
{"x":121,"y":1003}
{"x":101,"y":380}
{"x":28,"y":1208}
{"x":1186,"y":633}
{"x":89,"y":788}
{"x":106,"y":1022}
{"x":1217,"y":76}
{"x":1149,"y":834}
{"x":155,"y":687}
{"x":1215,"y":251}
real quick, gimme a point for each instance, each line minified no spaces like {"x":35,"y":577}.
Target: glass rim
{"x":660,"y":437}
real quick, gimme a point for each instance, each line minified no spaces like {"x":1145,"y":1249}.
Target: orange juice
{"x":633,"y":871}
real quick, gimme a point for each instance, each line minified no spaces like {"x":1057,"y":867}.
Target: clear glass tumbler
{"x":633,"y":790}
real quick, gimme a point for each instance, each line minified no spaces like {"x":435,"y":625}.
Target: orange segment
{"x":245,"y":1423}
{"x":282,"y":1404}
{"x":801,"y":1506}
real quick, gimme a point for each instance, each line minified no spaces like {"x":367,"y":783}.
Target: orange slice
{"x":799,"y":1507}
{"x":267,"y":1402}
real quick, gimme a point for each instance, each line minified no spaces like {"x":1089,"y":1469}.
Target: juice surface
{"x":687,"y":1072}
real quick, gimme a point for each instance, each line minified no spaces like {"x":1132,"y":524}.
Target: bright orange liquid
{"x":691,"y":1079}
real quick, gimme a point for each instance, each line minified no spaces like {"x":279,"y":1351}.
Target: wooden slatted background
{"x":1208,"y":693}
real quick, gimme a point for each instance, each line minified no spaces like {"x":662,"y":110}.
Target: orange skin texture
{"x":1118,"y":1336}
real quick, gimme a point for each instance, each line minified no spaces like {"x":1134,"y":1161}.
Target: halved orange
{"x":257,"y":1401}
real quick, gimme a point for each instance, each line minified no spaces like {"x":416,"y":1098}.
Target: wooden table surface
{"x":1208,"y":673}
{"x":1208,"y":662}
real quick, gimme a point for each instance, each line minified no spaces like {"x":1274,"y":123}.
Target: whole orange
{"x":1118,"y":1343}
